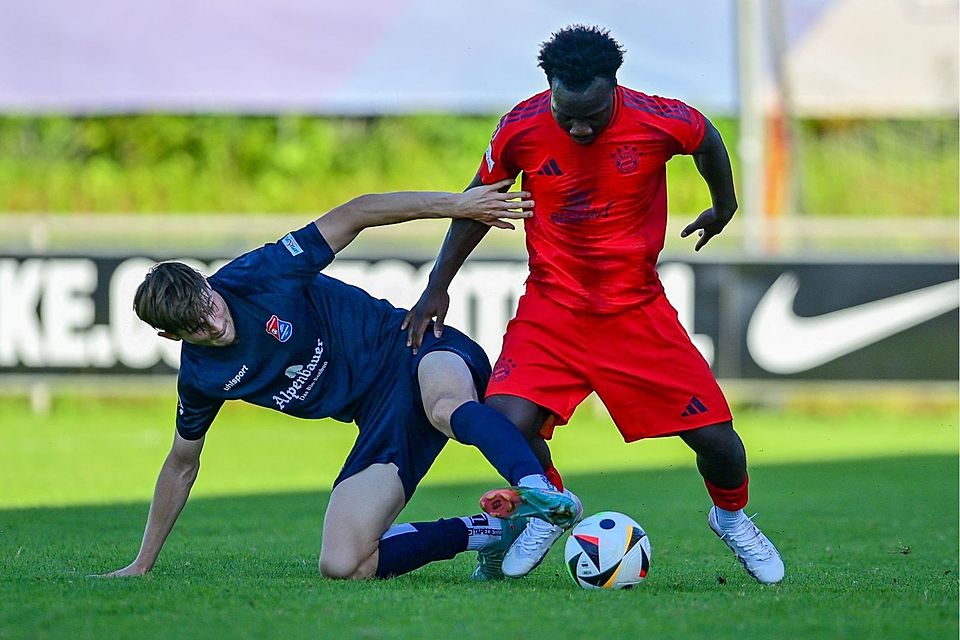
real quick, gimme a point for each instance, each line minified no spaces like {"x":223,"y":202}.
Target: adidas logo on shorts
{"x":694,"y":408}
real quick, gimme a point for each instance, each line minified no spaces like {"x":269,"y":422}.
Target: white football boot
{"x":753,"y":549}
{"x":531,"y":546}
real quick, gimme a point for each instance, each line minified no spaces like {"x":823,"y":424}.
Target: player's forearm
{"x":169,"y":497}
{"x":490,"y":205}
{"x":462,"y":238}
{"x":343,"y":224}
{"x":713,"y":163}
{"x":378,"y":209}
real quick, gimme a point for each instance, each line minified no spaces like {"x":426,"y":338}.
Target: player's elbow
{"x":355,"y":213}
{"x":342,"y":224}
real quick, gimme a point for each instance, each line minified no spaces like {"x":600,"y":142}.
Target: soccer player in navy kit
{"x":270,"y":329}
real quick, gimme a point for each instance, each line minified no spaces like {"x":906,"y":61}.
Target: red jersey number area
{"x":601,"y":212}
{"x":640,"y":362}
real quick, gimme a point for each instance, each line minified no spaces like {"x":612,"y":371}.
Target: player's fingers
{"x":521,"y":204}
{"x":412,"y":333}
{"x":515,"y":215}
{"x":690,"y":228}
{"x":406,"y":323}
{"x":501,"y":224}
{"x":704,"y":239}
{"x":421,"y":328}
{"x":523,"y":195}
{"x":496,"y":186}
{"x":438,"y":324}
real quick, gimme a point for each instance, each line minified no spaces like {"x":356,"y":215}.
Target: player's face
{"x":220,"y":330}
{"x":583,"y":114}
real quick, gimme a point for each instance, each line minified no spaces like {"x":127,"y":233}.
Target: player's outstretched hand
{"x":491,"y":206}
{"x":709,"y":223}
{"x":433,"y":303}
{"x":129,"y":570}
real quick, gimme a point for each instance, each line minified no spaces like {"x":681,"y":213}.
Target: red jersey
{"x":601,"y":209}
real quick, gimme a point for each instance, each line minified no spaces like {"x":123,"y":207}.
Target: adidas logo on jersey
{"x":550,"y":168}
{"x":694,"y":408}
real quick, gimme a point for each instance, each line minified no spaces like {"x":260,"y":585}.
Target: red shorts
{"x":640,"y":361}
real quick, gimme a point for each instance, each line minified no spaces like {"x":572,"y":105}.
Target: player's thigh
{"x":446,"y":383}
{"x":361,"y":508}
{"x":651,"y":377}
{"x":541,"y":363}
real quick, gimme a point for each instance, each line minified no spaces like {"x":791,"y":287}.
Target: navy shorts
{"x":393,"y":426}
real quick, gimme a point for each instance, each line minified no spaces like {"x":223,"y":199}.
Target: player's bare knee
{"x":442,"y":411}
{"x":338,"y":567}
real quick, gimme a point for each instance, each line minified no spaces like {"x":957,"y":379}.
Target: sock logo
{"x":694,"y":408}
{"x":479,"y":520}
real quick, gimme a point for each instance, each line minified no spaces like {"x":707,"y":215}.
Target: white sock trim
{"x":482,"y":530}
{"x":536,"y":481}
{"x":398,"y":529}
{"x":729,"y":519}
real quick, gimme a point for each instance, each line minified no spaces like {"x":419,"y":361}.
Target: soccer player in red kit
{"x":594,"y":316}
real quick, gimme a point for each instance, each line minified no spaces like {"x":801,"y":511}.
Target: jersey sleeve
{"x":683,"y":123}
{"x":497,"y":163}
{"x":195,"y":413}
{"x":299,"y":255}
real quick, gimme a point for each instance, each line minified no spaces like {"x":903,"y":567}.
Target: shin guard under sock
{"x":405,"y":547}
{"x":500,"y":442}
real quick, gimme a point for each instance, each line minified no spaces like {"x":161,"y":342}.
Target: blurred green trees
{"x":192,"y":163}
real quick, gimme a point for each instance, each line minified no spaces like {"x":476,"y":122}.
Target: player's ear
{"x":169,"y":336}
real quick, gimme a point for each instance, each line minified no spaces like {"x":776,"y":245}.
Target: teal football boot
{"x":490,"y":557}
{"x":561,"y":509}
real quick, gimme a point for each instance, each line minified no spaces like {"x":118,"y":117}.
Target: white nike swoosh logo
{"x":782,"y":342}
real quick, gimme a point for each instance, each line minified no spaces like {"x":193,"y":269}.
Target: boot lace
{"x":748,"y":539}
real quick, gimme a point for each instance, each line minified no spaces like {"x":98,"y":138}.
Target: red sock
{"x":729,"y":499}
{"x":554,"y":477}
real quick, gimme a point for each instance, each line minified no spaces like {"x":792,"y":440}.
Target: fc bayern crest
{"x":279,"y":329}
{"x":628,"y":159}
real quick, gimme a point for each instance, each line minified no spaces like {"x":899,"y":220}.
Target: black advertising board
{"x":815,"y":320}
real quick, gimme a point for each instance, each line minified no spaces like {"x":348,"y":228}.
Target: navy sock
{"x":405,"y":547}
{"x":500,"y":442}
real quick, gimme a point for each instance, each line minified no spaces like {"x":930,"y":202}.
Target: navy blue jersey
{"x":307,"y":344}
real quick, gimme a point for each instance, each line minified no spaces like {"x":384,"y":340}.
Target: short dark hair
{"x":174,"y":297}
{"x":577,"y":54}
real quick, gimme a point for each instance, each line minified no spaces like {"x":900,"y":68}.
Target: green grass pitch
{"x":862,"y":504}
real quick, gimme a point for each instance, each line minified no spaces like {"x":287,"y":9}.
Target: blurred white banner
{"x":892,"y":57}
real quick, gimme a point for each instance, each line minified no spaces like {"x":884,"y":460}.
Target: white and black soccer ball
{"x":608,"y":550}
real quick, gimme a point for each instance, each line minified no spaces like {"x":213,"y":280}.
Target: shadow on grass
{"x":870,"y":548}
{"x":885,"y":506}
